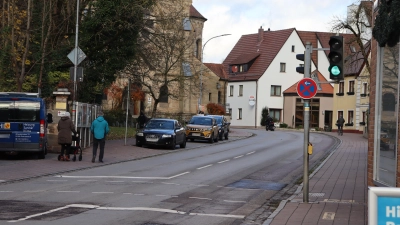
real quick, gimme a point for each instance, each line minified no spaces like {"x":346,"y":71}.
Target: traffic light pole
{"x":306,"y":115}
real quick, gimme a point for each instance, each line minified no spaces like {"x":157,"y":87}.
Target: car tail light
{"x":41,"y":134}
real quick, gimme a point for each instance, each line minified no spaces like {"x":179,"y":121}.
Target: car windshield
{"x":201,"y":121}
{"x":160,"y":124}
{"x":218,"y":119}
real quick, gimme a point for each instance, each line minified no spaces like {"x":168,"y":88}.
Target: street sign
{"x":81,"y":55}
{"x":307,"y":88}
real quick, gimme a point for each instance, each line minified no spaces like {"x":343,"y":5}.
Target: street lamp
{"x":201,"y":66}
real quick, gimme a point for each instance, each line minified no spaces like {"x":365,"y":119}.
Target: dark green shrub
{"x":283,"y":125}
{"x":264,"y":115}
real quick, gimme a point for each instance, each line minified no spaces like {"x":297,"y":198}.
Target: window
{"x":351,"y":86}
{"x":240,"y":90}
{"x":163,"y":94}
{"x":197,"y":48}
{"x":292,"y":48}
{"x":219,"y":97}
{"x":240,"y":114}
{"x":275,"y":114}
{"x":341,"y":87}
{"x":230,"y":111}
{"x":363,"y":117}
{"x":275,"y":90}
{"x":365,"y":88}
{"x":231,"y":90}
{"x":350,"y":116}
{"x":283,"y":67}
{"x":209,"y":97}
{"x":340,"y":113}
{"x":388,"y":102}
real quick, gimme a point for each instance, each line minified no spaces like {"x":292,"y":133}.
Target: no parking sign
{"x":307,"y":88}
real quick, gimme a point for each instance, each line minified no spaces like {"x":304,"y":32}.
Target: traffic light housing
{"x":300,"y":69}
{"x":335,"y":57}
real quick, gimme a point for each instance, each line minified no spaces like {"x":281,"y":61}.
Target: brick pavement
{"x":338,"y":192}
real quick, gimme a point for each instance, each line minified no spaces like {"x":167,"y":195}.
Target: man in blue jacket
{"x":99,"y":130}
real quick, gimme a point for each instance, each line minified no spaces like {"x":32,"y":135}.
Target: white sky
{"x":240,"y":17}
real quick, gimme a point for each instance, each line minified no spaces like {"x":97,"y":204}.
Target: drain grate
{"x":313,"y":194}
{"x":257,"y":184}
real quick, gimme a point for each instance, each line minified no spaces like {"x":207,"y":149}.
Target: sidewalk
{"x":338,"y":191}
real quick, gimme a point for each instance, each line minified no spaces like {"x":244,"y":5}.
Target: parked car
{"x":203,"y":128}
{"x":222,"y":126}
{"x":162,"y":132}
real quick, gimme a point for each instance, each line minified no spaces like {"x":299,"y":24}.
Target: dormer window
{"x":239,"y":68}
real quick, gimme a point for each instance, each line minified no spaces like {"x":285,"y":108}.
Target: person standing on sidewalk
{"x":99,"y":129}
{"x":65,"y":129}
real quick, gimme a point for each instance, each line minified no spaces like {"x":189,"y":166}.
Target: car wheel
{"x":183,"y":144}
{"x":211,"y":139}
{"x":216,"y":139}
{"x":221,"y":136}
{"x":138,"y":144}
{"x":173,"y":144}
{"x":226,"y":136}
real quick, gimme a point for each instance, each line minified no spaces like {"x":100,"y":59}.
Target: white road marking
{"x":102,"y":192}
{"x":234,"y":201}
{"x":250,"y":153}
{"x":240,"y":156}
{"x":201,"y":185}
{"x":143,"y":209}
{"x":115,"y":177}
{"x":68,"y":191}
{"x":55,"y":210}
{"x":139,"y":194}
{"x":6,"y":191}
{"x":224,"y":161}
{"x":34,"y":191}
{"x":85,"y":206}
{"x":123,"y":177}
{"x":170,"y":183}
{"x":201,"y":198}
{"x":204,"y":167}
{"x":2,"y":181}
{"x":218,"y":215}
{"x":181,"y":174}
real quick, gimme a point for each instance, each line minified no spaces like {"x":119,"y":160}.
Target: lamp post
{"x":201,"y":66}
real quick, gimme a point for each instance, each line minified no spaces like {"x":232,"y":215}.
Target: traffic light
{"x":300,"y":69}
{"x":336,"y":69}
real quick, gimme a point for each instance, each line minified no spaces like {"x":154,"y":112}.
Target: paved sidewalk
{"x":338,"y":191}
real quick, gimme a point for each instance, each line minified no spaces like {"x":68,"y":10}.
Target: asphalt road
{"x":226,"y":183}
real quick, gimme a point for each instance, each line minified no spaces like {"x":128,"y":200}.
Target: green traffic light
{"x":335,"y":70}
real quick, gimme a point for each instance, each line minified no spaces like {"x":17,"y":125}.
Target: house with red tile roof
{"x":321,"y":105}
{"x":262,"y":65}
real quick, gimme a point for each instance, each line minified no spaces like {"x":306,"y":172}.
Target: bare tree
{"x":358,"y":22}
{"x":164,"y":67}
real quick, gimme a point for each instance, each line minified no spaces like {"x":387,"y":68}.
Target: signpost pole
{"x":74,"y":120}
{"x":307,"y":74}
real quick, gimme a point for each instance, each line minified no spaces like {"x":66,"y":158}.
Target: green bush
{"x":283,"y":125}
{"x":117,"y":116}
{"x":264,"y":115}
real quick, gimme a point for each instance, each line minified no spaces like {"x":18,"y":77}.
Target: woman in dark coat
{"x":65,"y":129}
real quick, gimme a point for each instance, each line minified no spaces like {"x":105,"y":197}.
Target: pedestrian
{"x":142,"y":119}
{"x":268,"y":122}
{"x":340,"y":123}
{"x":99,"y":129}
{"x":65,"y":129}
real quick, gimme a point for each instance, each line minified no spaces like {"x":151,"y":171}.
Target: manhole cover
{"x":257,"y":184}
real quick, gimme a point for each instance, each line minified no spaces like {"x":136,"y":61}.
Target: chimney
{"x":260,"y":34}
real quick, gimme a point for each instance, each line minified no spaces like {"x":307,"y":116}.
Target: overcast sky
{"x":240,"y":17}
